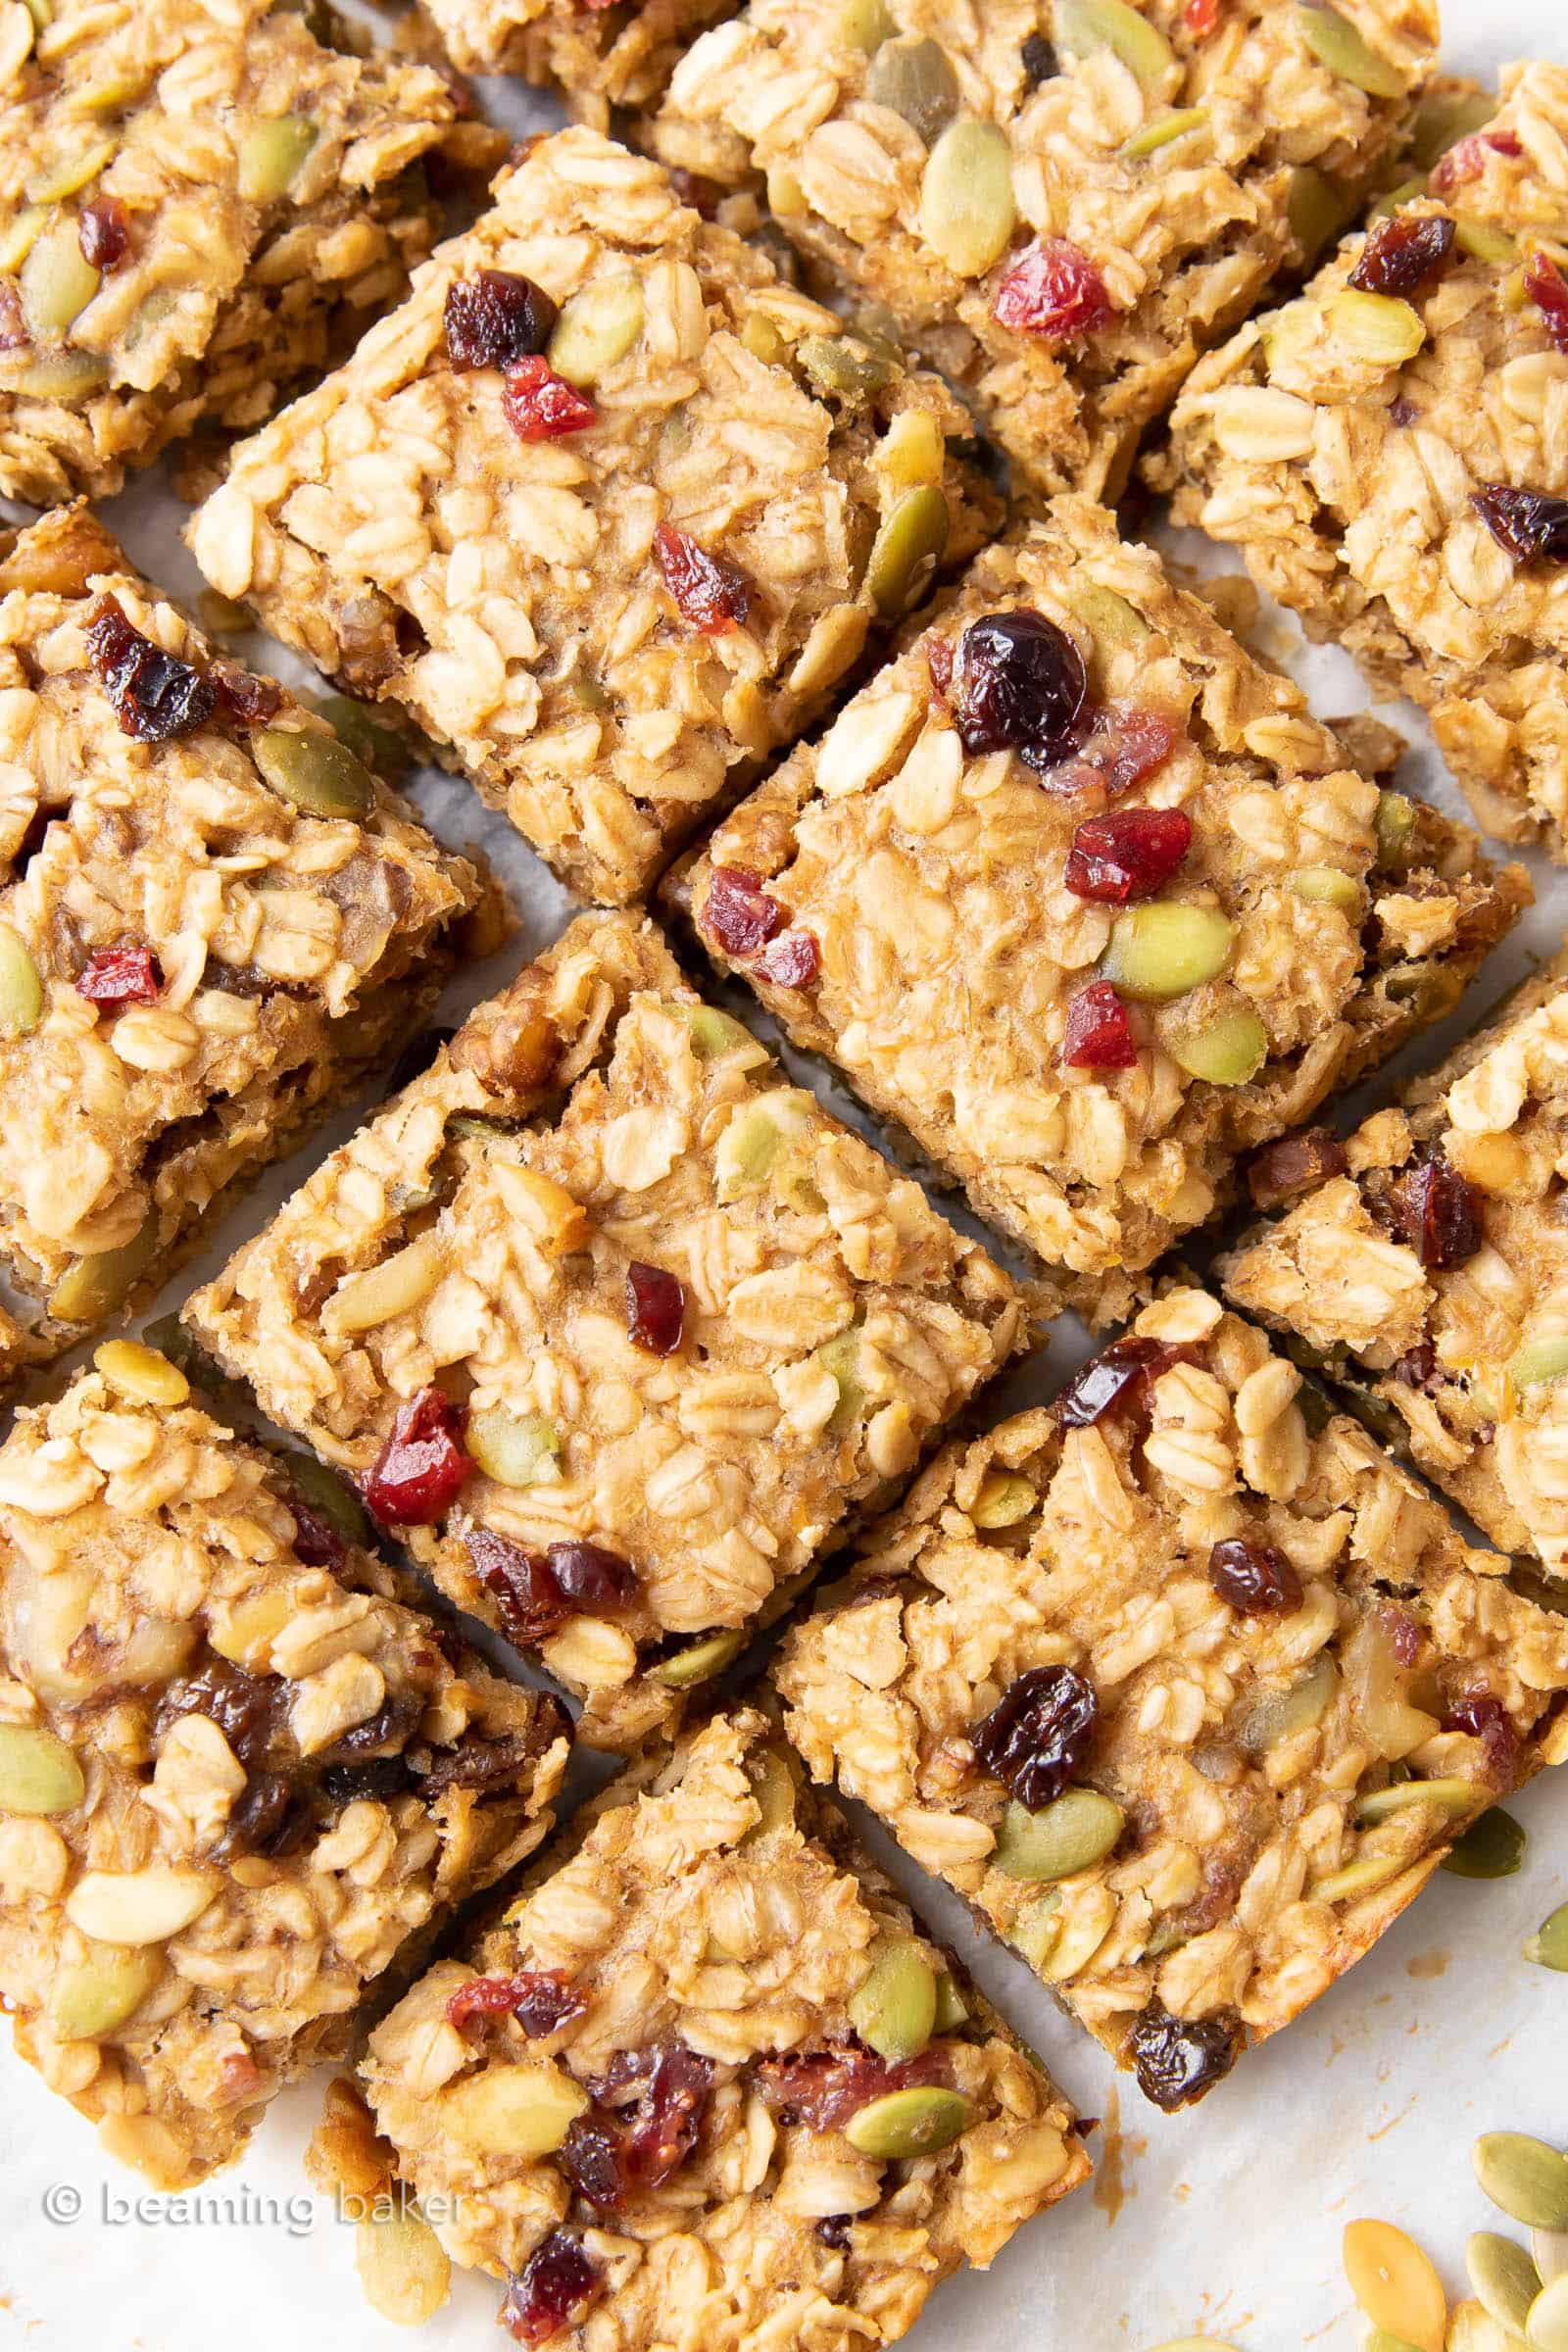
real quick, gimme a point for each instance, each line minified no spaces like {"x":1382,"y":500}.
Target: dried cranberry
{"x":712,"y":594}
{"x":1035,"y":1739}
{"x":1053,"y":292}
{"x":738,"y":915}
{"x":103,"y":231}
{"x":316,"y":1542}
{"x":1415,"y":1367}
{"x":1488,"y":1720}
{"x":1401,"y":252}
{"x":496,"y":316}
{"x":819,"y":2089}
{"x":704,"y":196}
{"x":1547,"y":289}
{"x":1126,"y":745}
{"x":1129,"y":855}
{"x":541,"y":406}
{"x":656,"y":1309}
{"x":248,"y":699}
{"x":1177,"y":2060}
{"x":1440,"y":1213}
{"x":609,"y":2156}
{"x":592,"y":1576}
{"x":939,"y":662}
{"x":538,"y":1999}
{"x":1297,"y":1164}
{"x":1466,"y":159}
{"x":1527,"y":522}
{"x":556,"y":2284}
{"x":1199,"y":17}
{"x":123,"y":975}
{"x":529,"y":1600}
{"x":270,"y":1817}
{"x":1253,"y":1578}
{"x":1020,"y":684}
{"x":421,"y":1468}
{"x":1098,"y":1035}
{"x":1040,"y":61}
{"x":1117,"y":1380}
{"x":792,"y":961}
{"x":154,"y":696}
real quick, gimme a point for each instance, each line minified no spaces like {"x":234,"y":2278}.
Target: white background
{"x":1225,"y":2221}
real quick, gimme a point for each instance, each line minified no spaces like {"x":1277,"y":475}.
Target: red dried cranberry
{"x":939,"y":662}
{"x":792,"y":961}
{"x":123,"y":975}
{"x":1177,"y":2060}
{"x":819,"y":2089}
{"x":1129,"y":855}
{"x":316,"y":1542}
{"x":541,"y":406}
{"x":496,"y":316}
{"x":1297,"y":1164}
{"x":712,"y":594}
{"x":656,"y":1309}
{"x":1401,"y":252}
{"x":1253,"y":1578}
{"x":1440,"y":1213}
{"x":103,"y":231}
{"x":1100,"y":1030}
{"x":592,"y":1576}
{"x":738,"y":915}
{"x":154,"y":696}
{"x":1466,"y":159}
{"x":529,"y":1600}
{"x":1020,"y":684}
{"x":609,"y":2156}
{"x":1547,"y":289}
{"x":250,"y":700}
{"x":1407,"y":1636}
{"x":421,"y":1468}
{"x":1127,"y":744}
{"x":559,"y":2283}
{"x":1488,"y":1720}
{"x":1117,"y":1381}
{"x":539,"y":1999}
{"x":1035,"y":1739}
{"x":1053,"y":292}
{"x":1199,"y":17}
{"x":1527,"y":522}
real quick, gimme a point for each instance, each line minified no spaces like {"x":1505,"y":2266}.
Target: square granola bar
{"x":1183,"y":1685}
{"x":212,"y":919}
{"x":709,"y":2074}
{"x":1061,"y":202}
{"x":1387,"y":453}
{"x":607,"y":505}
{"x":198,"y":203}
{"x":615,"y":1325}
{"x":1079,"y":891}
{"x":601,"y":58}
{"x":240,"y":1780}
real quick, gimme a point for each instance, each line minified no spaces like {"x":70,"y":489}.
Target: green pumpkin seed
{"x":38,"y":1773}
{"x":1084,"y":25}
{"x":966,"y":202}
{"x":96,"y":1995}
{"x":894,"y":2007}
{"x":715,"y":1034}
{"x":1335,"y":43}
{"x":328,"y":1495}
{"x":1538,"y":1361}
{"x":1550,"y":2250}
{"x":1546,"y":2327}
{"x":64,"y":179}
{"x":1327,"y":886}
{"x":1357,"y":1879}
{"x":698,"y":1662}
{"x":909,"y":2123}
{"x":1431,"y":991}
{"x":518,"y":1449}
{"x":1548,"y":1947}
{"x":843,"y":368}
{"x":763,"y":339}
{"x":1073,"y":1833}
{"x":21,"y":988}
{"x":20,"y":235}
{"x":906,"y":551}
{"x":1394,"y":824}
{"x":271,"y":155}
{"x":1453,"y":1796}
{"x":1444,"y":117}
{"x":170,"y":1338}
{"x":1003,"y":1501}
{"x":596,"y":329}
{"x":952,"y":2011}
{"x":315,"y":773}
{"x":1279,"y":1715}
{"x":1163,"y":131}
{"x":57,"y":376}
{"x":915,"y":80}
{"x":1492,"y":1848}
{"x":773,"y":1790}
{"x":515,"y":2111}
{"x":1109,"y":617}
{"x":1317,"y":207}
{"x":56,"y":284}
{"x":1377,"y":2339}
{"x":1229,"y":1050}
{"x":1504,"y":2278}
{"x":1525,"y":2178}
{"x":749,"y":1148}
{"x":864,"y":24}
{"x":373,"y":740}
{"x":841,"y":1356}
{"x":1166,"y":949}
{"x":93,"y":1286}
{"x":1378,"y":327}
{"x":1483,"y":241}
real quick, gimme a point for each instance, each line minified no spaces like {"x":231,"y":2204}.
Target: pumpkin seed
{"x":1377,"y":327}
{"x":915,"y":79}
{"x":21,"y":988}
{"x":1454,"y":1797}
{"x":1483,"y":241}
{"x":906,"y":551}
{"x":1003,"y":1501}
{"x":966,"y":201}
{"x":1550,"y":2250}
{"x":912,"y":450}
{"x":596,"y":329}
{"x":1444,"y":116}
{"x":1492,"y":1848}
{"x":330,"y":1497}
{"x":1165,"y":949}
{"x":1548,"y":1945}
{"x":378,"y":1294}
{"x":1327,"y":886}
{"x":1228,"y":1050}
{"x":139,"y":1906}
{"x":698,"y":1662}
{"x":748,"y":1151}
{"x":96,"y":1995}
{"x":763,"y":339}
{"x":370,"y":738}
{"x":20,"y":235}
{"x":38,"y":1773}
{"x":1335,"y":43}
{"x":774,"y":1789}
{"x":315,"y":773}
{"x":909,"y":2123}
{"x":141,"y":1372}
{"x":1278,"y":1715}
{"x":516,"y":1449}
{"x":1394,"y":2283}
{"x":57,"y":375}
{"x":271,"y":154}
{"x":1394,"y":824}
{"x":715,"y":1034}
{"x":843,"y":368}
{"x":1077,"y":1829}
{"x":1084,"y":25}
{"x":404,"y":2267}
{"x":1472,"y":2329}
{"x":1525,"y":2178}
{"x":953,"y":2010}
{"x":93,"y":1286}
{"x":56,"y":284}
{"x":1406,"y":193}
{"x":513,"y":2110}
{"x":1163,"y":131}
{"x":1503,"y":2277}
{"x":1316,"y":207}
{"x":1357,"y":1879}
{"x":1109,"y":617}
{"x":67,"y":177}
{"x":864,"y":24}
{"x":894,"y":2007}
{"x":1546,"y":2328}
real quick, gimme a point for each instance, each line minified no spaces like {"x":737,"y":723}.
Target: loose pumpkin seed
{"x":1550,"y":2250}
{"x":1472,"y":2329}
{"x":57,"y":375}
{"x":1453,"y":1796}
{"x":1279,"y":1715}
{"x":597,"y":328}
{"x":56,"y":284}
{"x":513,"y":2110}
{"x":1503,"y":2277}
{"x":1394,"y":2283}
{"x":894,"y":2007}
{"x":1166,"y":949}
{"x":1335,"y":43}
{"x":864,"y":24}
{"x":966,"y":202}
{"x":909,"y":2123}
{"x":315,"y":773}
{"x":38,"y":1773}
{"x":1492,"y":1848}
{"x":1084,"y":25}
{"x":906,"y":551}
{"x":94,"y":1995}
{"x":698,"y":1662}
{"x":271,"y":155}
{"x":404,"y":2267}
{"x":93,"y":1286}
{"x":1163,"y":131}
{"x":516,"y":1449}
{"x":142,"y":1372}
{"x":715,"y":1034}
{"x":1327,"y":886}
{"x":1377,"y":327}
{"x":1228,"y":1050}
{"x":1546,"y":2328}
{"x":1548,"y":1945}
{"x":915,"y":80}
{"x":21,"y":988}
{"x":370,"y":738}
{"x":139,"y":1906}
{"x":1524,"y":2178}
{"x":1077,"y":1829}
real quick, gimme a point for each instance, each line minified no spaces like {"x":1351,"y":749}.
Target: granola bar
{"x":1183,"y":1685}
{"x":198,"y":203}
{"x":1061,"y":202}
{"x":613,"y":1323}
{"x":211,"y":917}
{"x":1385,"y":451}
{"x":599,"y":58}
{"x":236,"y":1776}
{"x":1079,"y":892}
{"x":707,"y":2074}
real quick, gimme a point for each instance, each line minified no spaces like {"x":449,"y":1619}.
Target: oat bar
{"x":211,"y":917}
{"x":707,"y":2076}
{"x":608,"y":506}
{"x":198,"y":203}
{"x":599,"y":58}
{"x":1061,"y":202}
{"x":615,"y":1325}
{"x":1079,"y":892}
{"x":1183,"y":1685}
{"x":1387,"y":451}
{"x":236,"y":1776}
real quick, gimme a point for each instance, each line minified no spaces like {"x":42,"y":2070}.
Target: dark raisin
{"x":1255,"y":1579}
{"x":538,"y":2000}
{"x":1128,"y":854}
{"x":1547,"y":289}
{"x":1039,"y":1735}
{"x":1040,"y":61}
{"x":541,"y":406}
{"x":1117,"y":1381}
{"x":1098,"y":1034}
{"x":1053,"y":292}
{"x":1402,"y":412}
{"x":421,"y":1468}
{"x":478,"y":1764}
{"x":251,"y":1711}
{"x":125,"y":975}
{"x":154,"y":696}
{"x":1415,"y":1367}
{"x":316,"y":1542}
{"x":377,"y":1780}
{"x":704,"y":196}
{"x":1177,"y":2060}
{"x":712,"y":594}
{"x":529,"y":1600}
{"x":559,"y":2283}
{"x":590,"y":1577}
{"x":656,"y":1309}
{"x":819,"y":2089}
{"x":1020,"y":684}
{"x":792,"y":961}
{"x":103,"y":231}
{"x":268,"y":1817}
{"x":243,"y":697}
{"x":495,"y":317}
{"x":610,"y":2157}
{"x":385,"y":1733}
{"x":1488,"y":1720}
{"x":1440,"y":1212}
{"x":833,"y":2229}
{"x":1297,"y":1164}
{"x":1401,"y":252}
{"x":1527,"y":522}
{"x":738,"y":915}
